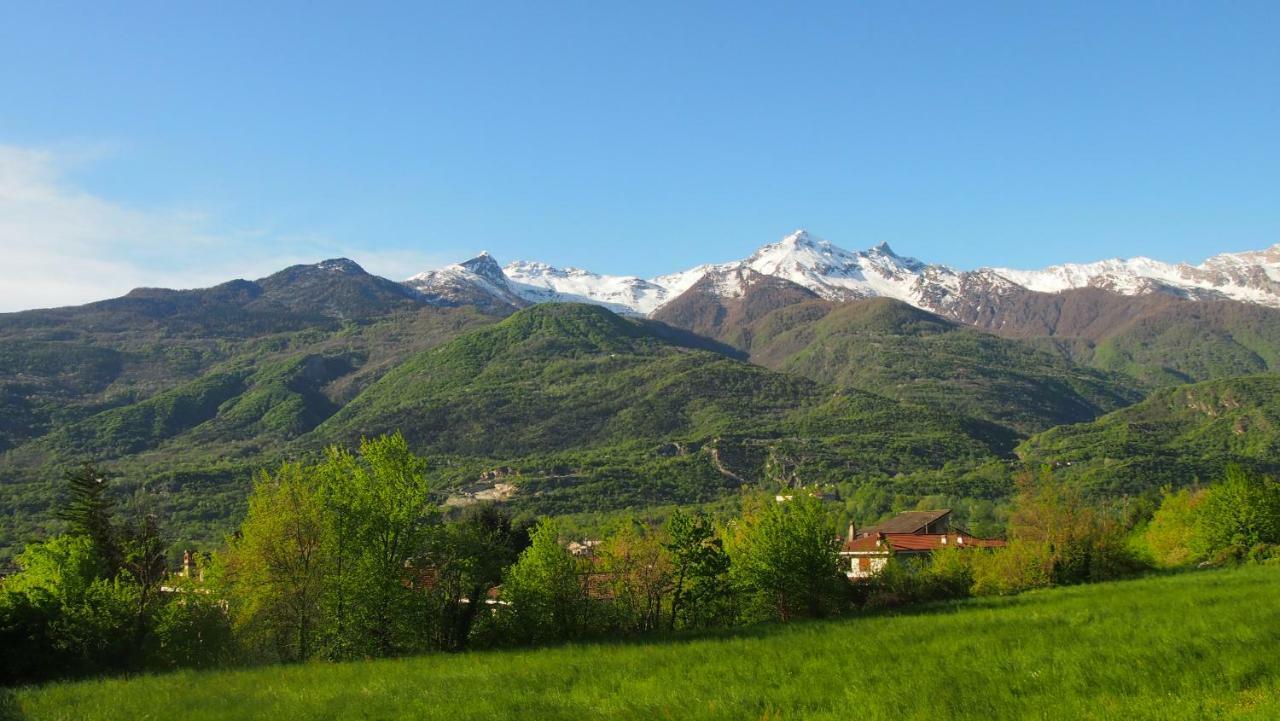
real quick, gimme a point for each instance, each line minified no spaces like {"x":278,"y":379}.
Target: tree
{"x":274,"y":568}
{"x":637,"y":564}
{"x":143,"y":563}
{"x":389,"y":496}
{"x":1079,"y":542}
{"x":785,"y":557}
{"x":60,"y":617}
{"x":466,"y":559}
{"x":546,"y":590}
{"x":192,"y":629}
{"x":1171,"y":536}
{"x":89,"y":511}
{"x":343,"y":519}
{"x":1242,"y":510}
{"x":701,"y":593}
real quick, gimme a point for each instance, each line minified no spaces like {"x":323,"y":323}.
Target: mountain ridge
{"x":837,"y":274}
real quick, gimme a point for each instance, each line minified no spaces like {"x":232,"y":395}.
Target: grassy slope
{"x":1192,"y":646}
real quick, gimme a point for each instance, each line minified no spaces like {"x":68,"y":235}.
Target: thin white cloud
{"x":61,"y":245}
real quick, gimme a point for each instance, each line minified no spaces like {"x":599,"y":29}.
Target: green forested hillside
{"x":588,"y":410}
{"x":578,"y":408}
{"x":1156,"y":338}
{"x":888,"y":347}
{"x":155,"y":387}
{"x":1178,"y":436}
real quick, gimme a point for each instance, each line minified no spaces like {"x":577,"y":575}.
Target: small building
{"x":914,"y":534}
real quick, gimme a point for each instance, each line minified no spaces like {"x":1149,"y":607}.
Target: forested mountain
{"x":749,"y":376}
{"x":583,"y":409}
{"x":1158,"y":338}
{"x":1176,"y":437}
{"x":891,"y":348}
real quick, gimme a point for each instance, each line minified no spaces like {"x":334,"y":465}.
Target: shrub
{"x":1019,"y":566}
{"x":192,"y":630}
{"x":1241,"y":510}
{"x":1170,"y":538}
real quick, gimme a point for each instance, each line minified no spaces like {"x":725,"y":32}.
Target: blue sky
{"x":167,"y":144}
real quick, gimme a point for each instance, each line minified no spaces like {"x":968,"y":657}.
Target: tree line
{"x":350,"y":558}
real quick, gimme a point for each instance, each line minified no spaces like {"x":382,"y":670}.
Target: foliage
{"x":638,"y":565}
{"x":192,"y":630}
{"x":61,"y":615}
{"x":88,"y":511}
{"x":1077,"y":541}
{"x":1177,"y":437}
{"x":1235,"y":519}
{"x":1171,"y":536}
{"x":1241,"y":510}
{"x":387,"y":492}
{"x":1085,"y":652}
{"x":888,"y":347}
{"x":701,"y":595}
{"x":467,"y":559}
{"x":274,"y":569}
{"x":547,"y":590}
{"x":784,"y":558}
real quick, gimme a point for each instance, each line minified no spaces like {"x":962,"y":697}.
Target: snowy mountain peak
{"x":1250,"y":276}
{"x":540,"y":283}
{"x":838,"y":274}
{"x":801,"y":238}
{"x":486,"y":267}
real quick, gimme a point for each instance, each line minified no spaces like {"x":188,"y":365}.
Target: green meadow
{"x":1194,"y":645}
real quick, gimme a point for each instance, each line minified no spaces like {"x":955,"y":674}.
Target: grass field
{"x":1190,"y":646}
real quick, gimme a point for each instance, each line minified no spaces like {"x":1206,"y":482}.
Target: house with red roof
{"x":913,"y":534}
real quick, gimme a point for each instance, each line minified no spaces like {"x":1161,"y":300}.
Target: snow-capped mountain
{"x":479,"y":281}
{"x":1251,"y":276}
{"x":541,"y":283}
{"x":837,"y":274}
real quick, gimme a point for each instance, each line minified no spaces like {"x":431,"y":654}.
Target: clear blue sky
{"x":633,"y":137}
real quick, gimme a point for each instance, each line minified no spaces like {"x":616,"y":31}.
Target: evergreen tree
{"x":89,"y":511}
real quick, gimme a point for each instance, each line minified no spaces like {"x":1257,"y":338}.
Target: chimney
{"x":853,"y":532}
{"x":186,"y":564}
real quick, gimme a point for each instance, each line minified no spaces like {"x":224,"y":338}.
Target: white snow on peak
{"x":838,"y":274}
{"x":539,"y":283}
{"x":1250,"y":276}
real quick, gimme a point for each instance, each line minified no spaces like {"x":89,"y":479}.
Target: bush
{"x":1170,"y":538}
{"x":1241,"y":510}
{"x":1019,"y":566}
{"x":192,"y":630}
